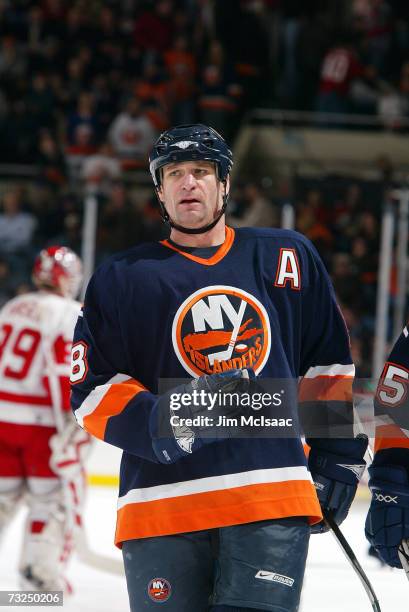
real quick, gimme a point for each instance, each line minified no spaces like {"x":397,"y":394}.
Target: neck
{"x":214,"y":237}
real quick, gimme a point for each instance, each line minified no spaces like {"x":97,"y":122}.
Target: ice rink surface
{"x":330,"y":586}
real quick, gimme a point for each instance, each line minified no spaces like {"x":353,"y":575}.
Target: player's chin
{"x":192,"y":219}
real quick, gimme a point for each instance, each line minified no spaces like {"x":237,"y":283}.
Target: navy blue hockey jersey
{"x":263,"y":300}
{"x":392,"y":407}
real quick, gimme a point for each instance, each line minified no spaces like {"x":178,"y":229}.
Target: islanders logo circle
{"x":159,"y":590}
{"x":221,"y":328}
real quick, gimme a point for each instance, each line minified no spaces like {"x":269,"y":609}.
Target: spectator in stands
{"x":71,"y":234}
{"x":153,"y":227}
{"x":74,"y":83}
{"x":258,"y":211}
{"x":312,"y":220}
{"x":393,"y":106}
{"x":131,"y":133}
{"x":19,"y":136}
{"x":181,"y":66}
{"x":373,"y":18}
{"x":83,"y":132}
{"x":217,"y":106}
{"x":17,"y":230}
{"x":74,"y":27}
{"x":345,"y":216}
{"x":340,"y":67}
{"x":120,"y":222}
{"x":7,"y":285}
{"x":106,"y":100}
{"x":152,"y":90}
{"x":51,"y":163}
{"x":13,"y":64}
{"x":345,"y":279}
{"x":101,"y":169}
{"x":41,"y":102}
{"x":239,"y":25}
{"x":153,"y":29}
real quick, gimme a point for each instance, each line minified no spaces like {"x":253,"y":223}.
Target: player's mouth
{"x":189,"y":201}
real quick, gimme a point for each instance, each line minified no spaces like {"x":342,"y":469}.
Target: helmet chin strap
{"x":196,"y":230}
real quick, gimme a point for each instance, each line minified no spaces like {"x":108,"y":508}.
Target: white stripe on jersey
{"x":26,"y":414}
{"x":405,"y":332}
{"x":214,"y":483}
{"x":10,"y":484}
{"x":336,"y":369}
{"x":40,"y":486}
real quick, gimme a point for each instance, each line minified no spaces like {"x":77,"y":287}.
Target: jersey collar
{"x":218,"y":256}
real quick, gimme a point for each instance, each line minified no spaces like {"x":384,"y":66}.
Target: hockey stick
{"x":350,"y":555}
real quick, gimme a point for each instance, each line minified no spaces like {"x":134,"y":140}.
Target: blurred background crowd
{"x":86,"y":86}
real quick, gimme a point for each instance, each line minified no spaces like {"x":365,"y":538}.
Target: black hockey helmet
{"x":188,"y":143}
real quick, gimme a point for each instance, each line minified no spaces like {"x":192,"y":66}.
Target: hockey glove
{"x":336,"y":467}
{"x":387,"y":522}
{"x":69,"y":449}
{"x":184,"y":419}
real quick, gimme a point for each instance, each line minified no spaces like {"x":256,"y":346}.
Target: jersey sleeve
{"x":107,"y":401}
{"x":391,"y":407}
{"x":326,"y":368}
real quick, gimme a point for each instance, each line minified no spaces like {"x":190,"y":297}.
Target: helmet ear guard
{"x":190,"y":143}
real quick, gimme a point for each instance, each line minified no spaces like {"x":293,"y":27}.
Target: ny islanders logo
{"x":220,"y":328}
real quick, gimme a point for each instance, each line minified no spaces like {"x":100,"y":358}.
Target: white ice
{"x":330,"y":586}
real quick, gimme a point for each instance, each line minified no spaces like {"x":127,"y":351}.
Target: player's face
{"x":191,"y":192}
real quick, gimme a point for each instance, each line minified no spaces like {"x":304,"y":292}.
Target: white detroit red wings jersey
{"x":36,"y":332}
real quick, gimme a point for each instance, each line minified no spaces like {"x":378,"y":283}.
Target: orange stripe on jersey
{"x":390,"y":436}
{"x":235,"y":506}
{"x":326,"y":388}
{"x":220,"y":253}
{"x":111,"y":404}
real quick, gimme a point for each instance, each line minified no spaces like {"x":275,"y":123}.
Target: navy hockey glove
{"x":336,"y":467}
{"x":387,"y":523}
{"x":183,"y":419}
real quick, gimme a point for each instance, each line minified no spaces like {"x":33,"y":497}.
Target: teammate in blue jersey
{"x":209,"y":519}
{"x":387,"y":523}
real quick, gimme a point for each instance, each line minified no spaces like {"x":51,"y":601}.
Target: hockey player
{"x":387,"y":522}
{"x":40,"y":443}
{"x":213,"y":520}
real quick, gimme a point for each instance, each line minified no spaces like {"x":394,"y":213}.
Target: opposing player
{"x":213,"y":519}
{"x":41,"y":445}
{"x":387,"y":523}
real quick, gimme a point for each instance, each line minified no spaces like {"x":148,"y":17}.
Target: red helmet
{"x":58,"y":268}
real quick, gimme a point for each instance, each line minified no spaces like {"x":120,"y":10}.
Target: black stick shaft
{"x":350,"y":555}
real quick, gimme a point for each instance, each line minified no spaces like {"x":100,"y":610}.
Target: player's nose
{"x":188,"y":181}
